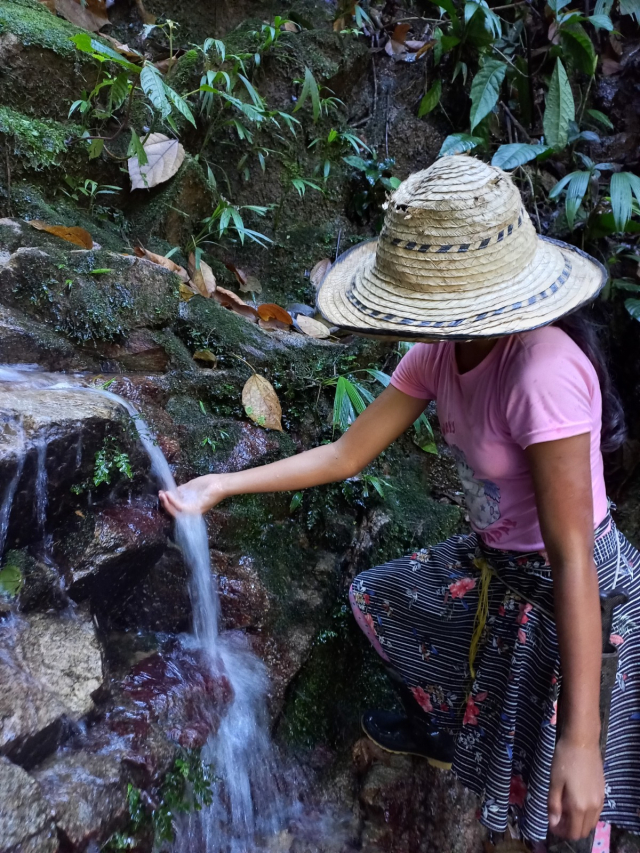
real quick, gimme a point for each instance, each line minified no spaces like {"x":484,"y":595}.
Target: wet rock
{"x":159,"y":601}
{"x":89,"y":295}
{"x":26,"y":824}
{"x":178,"y":691}
{"x":87,"y":794}
{"x":410,"y":807}
{"x":23,"y":341}
{"x":108,"y":551}
{"x":244,"y":600}
{"x":41,"y":585}
{"x":49,"y":669}
{"x":49,"y":437}
{"x":140,"y":352}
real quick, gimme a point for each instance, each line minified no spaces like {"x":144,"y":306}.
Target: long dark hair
{"x":583,"y":330}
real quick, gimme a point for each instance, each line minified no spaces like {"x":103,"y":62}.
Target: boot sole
{"x":440,"y":765}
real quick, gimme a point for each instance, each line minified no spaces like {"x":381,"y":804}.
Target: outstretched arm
{"x":561,"y":473}
{"x":376,"y":428}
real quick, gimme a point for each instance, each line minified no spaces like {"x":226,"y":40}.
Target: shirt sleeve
{"x":415,"y":374}
{"x":551,"y":395}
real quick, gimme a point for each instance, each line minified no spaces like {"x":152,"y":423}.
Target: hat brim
{"x":389,"y":311}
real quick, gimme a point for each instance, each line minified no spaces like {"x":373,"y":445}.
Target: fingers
{"x":169,"y":503}
{"x":555,"y":807}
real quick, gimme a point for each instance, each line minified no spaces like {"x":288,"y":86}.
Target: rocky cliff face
{"x":99,"y":694}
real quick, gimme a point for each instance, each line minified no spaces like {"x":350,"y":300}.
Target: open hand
{"x":195,"y":497}
{"x":576,"y":795}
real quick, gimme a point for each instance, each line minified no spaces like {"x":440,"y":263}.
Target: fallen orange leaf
{"x":72,"y":234}
{"x":167,"y":263}
{"x":270,"y":311}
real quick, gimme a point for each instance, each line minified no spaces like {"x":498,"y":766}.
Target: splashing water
{"x":10,"y":490}
{"x":249,"y":810}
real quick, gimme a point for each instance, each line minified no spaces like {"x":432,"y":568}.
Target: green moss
{"x":86,"y":304}
{"x":39,"y":143}
{"x":342,"y":677}
{"x":185,"y":71}
{"x":32,"y":23}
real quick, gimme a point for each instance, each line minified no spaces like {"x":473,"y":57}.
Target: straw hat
{"x":458,"y":258}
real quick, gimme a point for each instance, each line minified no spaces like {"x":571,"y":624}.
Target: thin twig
{"x":515,"y":121}
{"x":533,"y":196}
{"x":361,"y":122}
{"x":510,"y":61}
{"x":509,"y":6}
{"x":375,"y":84}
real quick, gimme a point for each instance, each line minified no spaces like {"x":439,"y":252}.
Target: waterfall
{"x":249,"y":807}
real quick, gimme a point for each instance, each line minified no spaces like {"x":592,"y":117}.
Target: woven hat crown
{"x":458,"y":257}
{"x":452,"y":225}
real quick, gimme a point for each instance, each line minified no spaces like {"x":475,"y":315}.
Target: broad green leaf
{"x":630,"y":7}
{"x":576,"y":192}
{"x":180,"y":104}
{"x":383,"y":378}
{"x":136,"y":149}
{"x":557,"y":5}
{"x":624,"y":185}
{"x":10,"y":580}
{"x":356,"y":162}
{"x":625,"y":284}
{"x":431,"y":99}
{"x":448,"y":7}
{"x":515,"y":154}
{"x":633,"y":307}
{"x":154,"y":88}
{"x":485,"y":90}
{"x":604,"y":7}
{"x":95,"y":148}
{"x":562,"y":183}
{"x":560,"y":108}
{"x":579,"y":47}
{"x":601,"y":118}
{"x":458,"y":143}
{"x":603,"y":225}
{"x":296,"y":500}
{"x":119,"y":91}
{"x":101,"y":52}
{"x":601,"y":22}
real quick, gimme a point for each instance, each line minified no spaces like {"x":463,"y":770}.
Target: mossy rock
{"x":90,"y":295}
{"x":38,"y":57}
{"x":37,"y":144}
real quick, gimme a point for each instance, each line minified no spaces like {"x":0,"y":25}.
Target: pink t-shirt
{"x":532,"y":387}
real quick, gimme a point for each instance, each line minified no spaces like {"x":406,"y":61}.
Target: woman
{"x":477,"y":630}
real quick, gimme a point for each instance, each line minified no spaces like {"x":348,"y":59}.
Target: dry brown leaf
{"x":90,"y":15}
{"x":165,"y":157}
{"x":248,"y":283}
{"x":186,"y":292}
{"x":203,"y":278}
{"x":610,"y":67}
{"x":206,"y":356}
{"x":415,"y":45}
{"x":319,"y":271}
{"x":425,"y":47}
{"x":290,"y":27}
{"x":400,"y":32}
{"x":165,"y":65}
{"x":146,"y":17}
{"x":273,"y":325}
{"x":73,"y":234}
{"x":50,"y":4}
{"x":395,"y":48}
{"x":311,"y":327}
{"x":167,"y":263}
{"x":124,"y":49}
{"x":261,"y":403}
{"x":228,"y":299}
{"x":270,"y":311}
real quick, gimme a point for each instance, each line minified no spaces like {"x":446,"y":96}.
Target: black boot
{"x":411,"y":733}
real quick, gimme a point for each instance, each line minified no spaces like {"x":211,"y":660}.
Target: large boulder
{"x":49,"y":669}
{"x":48,"y":443}
{"x":87,"y":794}
{"x":26,"y":824}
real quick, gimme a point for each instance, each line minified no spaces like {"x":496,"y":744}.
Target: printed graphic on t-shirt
{"x":482,"y":496}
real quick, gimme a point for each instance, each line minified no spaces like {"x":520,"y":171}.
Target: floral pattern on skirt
{"x":422,"y":610}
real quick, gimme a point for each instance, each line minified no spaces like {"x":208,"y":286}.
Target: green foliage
{"x":485,"y":90}
{"x":372,"y":182}
{"x":39,"y":143}
{"x":185,"y":788}
{"x":11,"y":576}
{"x":459,"y":143}
{"x":510,"y":156}
{"x":430,"y":99}
{"x":110,"y":461}
{"x":560,"y":108}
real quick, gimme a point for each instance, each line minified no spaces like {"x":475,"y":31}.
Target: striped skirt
{"x":420,"y":611}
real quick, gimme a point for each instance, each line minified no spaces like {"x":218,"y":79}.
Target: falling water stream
{"x":250,"y":809}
